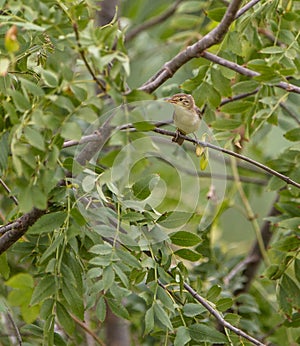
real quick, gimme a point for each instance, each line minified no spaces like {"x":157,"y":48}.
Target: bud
{"x":11,"y":42}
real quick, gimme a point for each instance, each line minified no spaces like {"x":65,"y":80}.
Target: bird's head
{"x":183,"y":100}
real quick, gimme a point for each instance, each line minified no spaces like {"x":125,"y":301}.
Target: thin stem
{"x":83,"y":57}
{"x":247,"y":72}
{"x":7,"y":189}
{"x":232,"y":153}
{"x":250,"y":214}
{"x":153,"y":21}
{"x":213,"y":37}
{"x":87,"y":329}
{"x":218,"y":317}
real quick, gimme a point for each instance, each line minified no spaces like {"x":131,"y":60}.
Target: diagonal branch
{"x":231,"y":153}
{"x":246,"y":71}
{"x":219,"y":318}
{"x":213,"y":37}
{"x":153,"y":21}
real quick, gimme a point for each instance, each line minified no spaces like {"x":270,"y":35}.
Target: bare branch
{"x":219,"y":318}
{"x":21,"y":225}
{"x":212,"y":38}
{"x":238,"y":97}
{"x":289,"y":112}
{"x":247,"y":72}
{"x":7,"y":189}
{"x":232,"y":153}
{"x":87,"y":329}
{"x":153,"y":21}
{"x":83,"y":57}
{"x":254,"y":258}
{"x":246,"y":8}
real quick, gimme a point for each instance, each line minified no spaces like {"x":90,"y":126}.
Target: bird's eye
{"x":180,"y":99}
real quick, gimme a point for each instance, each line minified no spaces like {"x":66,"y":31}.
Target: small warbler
{"x":187,"y":116}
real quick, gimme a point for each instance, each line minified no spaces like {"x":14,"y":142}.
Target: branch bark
{"x":213,"y":37}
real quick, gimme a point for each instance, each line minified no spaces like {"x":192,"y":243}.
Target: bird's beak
{"x":168,"y":99}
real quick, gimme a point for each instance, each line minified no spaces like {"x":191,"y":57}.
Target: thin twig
{"x":289,"y":112}
{"x":21,"y":226}
{"x":153,"y":21}
{"x":232,"y":153}
{"x":238,"y":97}
{"x":254,"y":257}
{"x":247,"y":72}
{"x":87,"y":329}
{"x":219,"y":318}
{"x":7,"y":189}
{"x":246,"y":8}
{"x":83,"y":57}
{"x":250,"y":214}
{"x":213,"y":37}
{"x":15,"y":328}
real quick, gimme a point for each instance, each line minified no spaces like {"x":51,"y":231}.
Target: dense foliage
{"x":127,"y":222}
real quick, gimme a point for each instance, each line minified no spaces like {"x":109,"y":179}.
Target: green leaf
{"x":273,"y":50}
{"x":182,"y":336}
{"x":183,"y":238}
{"x":33,"y":88}
{"x":21,"y":102}
{"x":236,"y":107}
{"x":143,"y":187}
{"x":117,"y":308}
{"x":216,"y":14}
{"x":138,"y":95}
{"x":293,"y":135}
{"x":48,"y":223}
{"x":101,"y":309}
{"x":292,"y":223}
{"x":174,"y":219}
{"x":34,"y":138}
{"x":144,"y":126}
{"x":4,"y":267}
{"x":193,"y":309}
{"x":275,"y":184}
{"x":20,"y":280}
{"x":64,"y":318}
{"x":70,"y":293}
{"x":108,"y":277}
{"x":289,"y":294}
{"x":50,"y":78}
{"x":297,"y":269}
{"x":203,"y":333}
{"x":44,"y":289}
{"x":162,"y":316}
{"x":188,"y":255}
{"x":226,"y":124}
{"x":149,"y":320}
{"x":71,"y":130}
{"x":224,"y":304}
{"x":128,"y":258}
{"x":221,"y":83}
{"x":213,"y":293}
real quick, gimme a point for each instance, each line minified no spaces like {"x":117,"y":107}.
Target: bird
{"x":187,"y":116}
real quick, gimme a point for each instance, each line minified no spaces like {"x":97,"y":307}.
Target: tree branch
{"x":20,"y":226}
{"x":247,"y":72}
{"x":232,"y":153}
{"x":254,"y":258}
{"x":153,"y":21}
{"x":218,"y":317}
{"x":84,"y":59}
{"x":212,"y":38}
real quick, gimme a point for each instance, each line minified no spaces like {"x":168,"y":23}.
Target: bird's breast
{"x":186,"y":120}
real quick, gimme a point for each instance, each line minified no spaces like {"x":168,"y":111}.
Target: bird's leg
{"x":177,"y":138}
